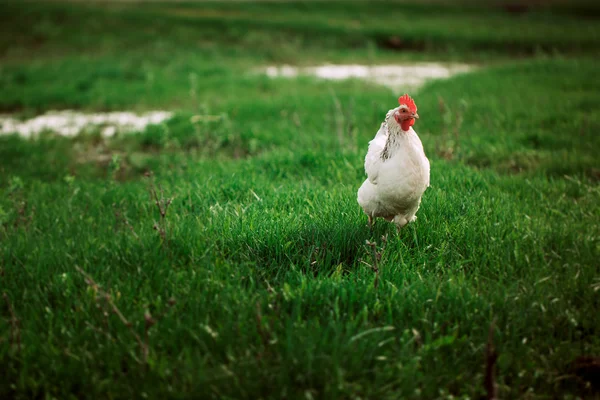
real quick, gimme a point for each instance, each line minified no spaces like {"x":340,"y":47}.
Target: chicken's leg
{"x":400,"y":221}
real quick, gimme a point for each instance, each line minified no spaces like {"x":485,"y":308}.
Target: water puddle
{"x":398,"y":77}
{"x":71,"y":123}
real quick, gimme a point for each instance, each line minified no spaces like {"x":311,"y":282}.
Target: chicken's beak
{"x":415,"y":115}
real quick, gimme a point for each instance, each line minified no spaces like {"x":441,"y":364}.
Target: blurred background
{"x":153,"y":61}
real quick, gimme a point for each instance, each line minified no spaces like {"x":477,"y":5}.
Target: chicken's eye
{"x":403,"y":110}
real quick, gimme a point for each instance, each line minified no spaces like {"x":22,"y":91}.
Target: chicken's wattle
{"x":407,"y":123}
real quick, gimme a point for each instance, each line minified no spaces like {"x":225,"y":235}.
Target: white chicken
{"x":397,"y":168}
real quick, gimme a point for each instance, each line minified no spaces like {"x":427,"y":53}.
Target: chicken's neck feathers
{"x":395,"y":139}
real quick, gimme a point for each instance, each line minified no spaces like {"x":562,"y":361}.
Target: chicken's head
{"x":406,"y":114}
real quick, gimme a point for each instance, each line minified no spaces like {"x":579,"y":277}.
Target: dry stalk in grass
{"x":123,"y":219}
{"x":100,"y":293}
{"x":162,"y":204}
{"x":149,"y":321}
{"x":22,"y":218}
{"x":491,"y":356}
{"x":442,"y":108}
{"x":265,"y":335}
{"x":376,"y":258}
{"x":375,"y":267}
{"x":15,"y":325}
{"x":338,"y":116}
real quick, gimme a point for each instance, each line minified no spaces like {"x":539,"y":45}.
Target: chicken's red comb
{"x":406,"y":99}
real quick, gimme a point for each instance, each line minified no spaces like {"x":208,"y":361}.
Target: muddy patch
{"x":72,"y":123}
{"x":398,"y":77}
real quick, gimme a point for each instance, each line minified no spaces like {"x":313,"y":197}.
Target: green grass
{"x":254,"y":284}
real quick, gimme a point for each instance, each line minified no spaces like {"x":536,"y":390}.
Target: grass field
{"x":222,"y":254}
